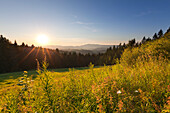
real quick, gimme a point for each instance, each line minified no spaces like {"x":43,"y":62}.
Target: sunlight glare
{"x":42,"y":39}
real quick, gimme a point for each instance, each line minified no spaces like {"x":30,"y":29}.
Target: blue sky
{"x":77,"y":22}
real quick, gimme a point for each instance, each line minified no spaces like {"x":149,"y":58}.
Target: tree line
{"x":14,"y":57}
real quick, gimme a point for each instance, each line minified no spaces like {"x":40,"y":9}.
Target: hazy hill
{"x":83,"y":51}
{"x":84,"y":47}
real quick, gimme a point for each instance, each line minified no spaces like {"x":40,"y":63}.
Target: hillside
{"x":138,"y":83}
{"x":151,"y":49}
{"x":83,"y":49}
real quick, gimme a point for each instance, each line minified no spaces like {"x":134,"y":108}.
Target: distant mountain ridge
{"x":84,"y":47}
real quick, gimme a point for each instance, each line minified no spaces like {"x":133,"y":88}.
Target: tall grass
{"x":141,"y":86}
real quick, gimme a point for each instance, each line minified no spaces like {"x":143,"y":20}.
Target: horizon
{"x":78,"y":47}
{"x":76,"y":23}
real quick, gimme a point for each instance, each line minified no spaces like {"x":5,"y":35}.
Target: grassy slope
{"x":140,"y":83}
{"x":9,"y":79}
{"x":155,"y":48}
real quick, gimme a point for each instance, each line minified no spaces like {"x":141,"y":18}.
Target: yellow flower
{"x":25,"y":72}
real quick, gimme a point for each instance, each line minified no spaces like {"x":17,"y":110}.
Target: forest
{"x":14,"y":57}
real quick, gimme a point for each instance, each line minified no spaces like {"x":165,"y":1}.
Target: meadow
{"x":9,"y":79}
{"x":139,"y":82}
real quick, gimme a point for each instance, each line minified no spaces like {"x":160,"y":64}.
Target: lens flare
{"x":42,"y":39}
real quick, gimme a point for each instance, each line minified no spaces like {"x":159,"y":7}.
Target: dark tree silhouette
{"x":160,"y":33}
{"x":57,"y":50}
{"x":124,"y":45}
{"x":23,"y":44}
{"x":132,"y":42}
{"x":155,"y":36}
{"x":148,"y":39}
{"x":1,"y":36}
{"x":144,"y":40}
{"x":168,"y":30}
{"x":15,"y":43}
{"x":32,"y":46}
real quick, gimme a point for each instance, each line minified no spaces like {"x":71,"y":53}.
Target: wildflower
{"x":25,"y":72}
{"x":136,"y":91}
{"x":100,"y":108}
{"x":120,"y":105}
{"x":140,"y":90}
{"x":118,"y":92}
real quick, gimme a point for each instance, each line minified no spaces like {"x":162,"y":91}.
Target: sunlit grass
{"x":139,"y":83}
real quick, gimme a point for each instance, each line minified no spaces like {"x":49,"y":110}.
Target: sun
{"x":42,"y":39}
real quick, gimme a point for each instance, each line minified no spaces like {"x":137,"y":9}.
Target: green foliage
{"x":138,"y":83}
{"x":150,"y":50}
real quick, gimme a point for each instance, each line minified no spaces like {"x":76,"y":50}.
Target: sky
{"x":78,"y":22}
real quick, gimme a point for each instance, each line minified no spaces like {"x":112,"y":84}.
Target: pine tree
{"x":144,"y":40}
{"x":155,"y":36}
{"x":148,"y":39}
{"x":57,"y":50}
{"x":160,"y":33}
{"x":23,"y":44}
{"x":124,"y":45}
{"x":1,"y":36}
{"x":132,"y":42}
{"x":32,"y":46}
{"x":168,"y":30}
{"x":15,"y":43}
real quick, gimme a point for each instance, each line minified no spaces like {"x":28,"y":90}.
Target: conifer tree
{"x":57,"y":50}
{"x":32,"y":46}
{"x":160,"y":33}
{"x":132,"y":42}
{"x":15,"y":43}
{"x":144,"y":39}
{"x":168,"y":30}
{"x":148,"y":39}
{"x":124,"y":45}
{"x":155,"y":36}
{"x":23,"y":44}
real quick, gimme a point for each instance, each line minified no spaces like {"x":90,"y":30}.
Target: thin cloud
{"x":74,"y":16}
{"x":86,"y":25}
{"x":144,"y":14}
{"x":82,"y":23}
{"x":91,"y":29}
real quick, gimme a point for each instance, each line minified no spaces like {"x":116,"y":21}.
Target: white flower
{"x":136,"y":91}
{"x":118,"y":92}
